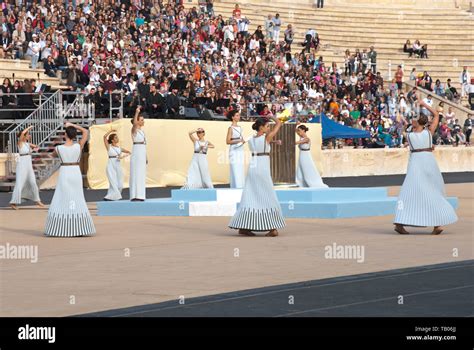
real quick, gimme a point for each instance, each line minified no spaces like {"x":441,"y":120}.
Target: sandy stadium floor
{"x":143,"y":260}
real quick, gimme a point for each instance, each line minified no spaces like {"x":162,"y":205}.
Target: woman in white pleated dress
{"x":422,"y":200}
{"x":114,"y":167}
{"x":235,"y":140}
{"x":138,"y":160}
{"x":25,"y":181}
{"x":259,"y":209}
{"x":198,"y":172}
{"x":307,"y":174}
{"x":68,"y":215}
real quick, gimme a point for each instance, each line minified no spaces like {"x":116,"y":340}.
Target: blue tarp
{"x":331,"y":129}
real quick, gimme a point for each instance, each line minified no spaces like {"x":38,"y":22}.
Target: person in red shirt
{"x":237,"y":12}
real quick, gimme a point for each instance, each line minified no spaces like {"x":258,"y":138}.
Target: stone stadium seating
{"x":448,"y":31}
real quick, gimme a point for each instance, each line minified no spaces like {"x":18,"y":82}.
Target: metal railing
{"x":460,"y":111}
{"x":46,"y":120}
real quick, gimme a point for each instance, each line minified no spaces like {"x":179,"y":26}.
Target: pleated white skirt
{"x":422,"y":200}
{"x":115,"y":177}
{"x":198,"y":173}
{"x":138,"y":172}
{"x":25,"y":182}
{"x":259,"y":209}
{"x":306,"y":173}
{"x":237,"y":170}
{"x":68,"y":215}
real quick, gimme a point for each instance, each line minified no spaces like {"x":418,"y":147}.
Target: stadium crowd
{"x":164,"y":56}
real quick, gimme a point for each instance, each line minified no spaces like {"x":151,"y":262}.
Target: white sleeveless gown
{"x":138,"y":167}
{"x":25,"y":182}
{"x":236,"y":159}
{"x":422,"y":200}
{"x":68,"y":215}
{"x":307,"y":174}
{"x":114,"y":174}
{"x":198,"y":171}
{"x":259,"y":209}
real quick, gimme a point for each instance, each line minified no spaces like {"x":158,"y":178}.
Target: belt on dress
{"x":139,"y":143}
{"x":69,"y":164}
{"x":305,"y":150}
{"x":235,"y":138}
{"x":422,"y":150}
{"x":113,"y":157}
{"x":261,"y":154}
{"x":25,"y":154}
{"x":200,"y":152}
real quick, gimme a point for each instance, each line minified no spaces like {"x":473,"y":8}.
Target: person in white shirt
{"x":254,"y":43}
{"x":269,"y":27}
{"x":465,"y":81}
{"x":276,"y":27}
{"x":35,"y":48}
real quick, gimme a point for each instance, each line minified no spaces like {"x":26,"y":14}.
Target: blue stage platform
{"x":323,"y":203}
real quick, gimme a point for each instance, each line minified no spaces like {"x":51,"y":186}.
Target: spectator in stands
{"x":26,"y":100}
{"x":465,"y":81}
{"x":50,"y":67}
{"x":62,"y":61}
{"x":173,"y":104}
{"x":451,"y":92}
{"x":319,"y":3}
{"x":269,"y":28}
{"x":6,"y":89}
{"x":424,"y":51}
{"x":413,"y":74}
{"x":417,"y":48}
{"x":427,"y":81}
{"x":373,"y":59}
{"x":439,"y":88}
{"x":408,"y":48}
{"x":7,"y":45}
{"x":468,"y":124}
{"x":289,"y":34}
{"x":457,"y":133}
{"x":399,"y":77}
{"x":276,"y":27}
{"x":74,"y":78}
{"x":34,"y":47}
{"x":237,"y":12}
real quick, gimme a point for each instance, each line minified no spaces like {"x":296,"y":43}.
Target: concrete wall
{"x":388,"y":161}
{"x":365,"y":162}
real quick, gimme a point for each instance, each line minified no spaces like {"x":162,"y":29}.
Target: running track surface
{"x":442,"y":290}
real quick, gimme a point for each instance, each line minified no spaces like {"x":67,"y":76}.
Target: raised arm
{"x":22,"y":137}
{"x":106,"y":136}
{"x":275,"y":130}
{"x":135,"y":119}
{"x":85,"y":133}
{"x":435,"y":121}
{"x":210,"y":145}
{"x":191,"y":135}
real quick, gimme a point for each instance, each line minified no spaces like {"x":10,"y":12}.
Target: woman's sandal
{"x":401,"y":230}
{"x":246,"y":233}
{"x":40,"y":204}
{"x":272,"y":233}
{"x":437,"y":231}
{"x":14,"y":206}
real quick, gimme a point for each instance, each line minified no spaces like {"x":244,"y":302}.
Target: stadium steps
{"x":387,"y":28}
{"x":20,"y":70}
